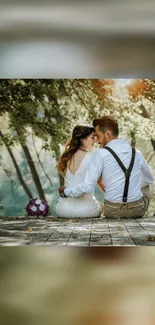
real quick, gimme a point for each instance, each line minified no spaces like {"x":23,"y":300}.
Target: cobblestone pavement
{"x":76,"y":232}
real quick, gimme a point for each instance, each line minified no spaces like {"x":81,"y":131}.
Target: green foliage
{"x":41,"y":105}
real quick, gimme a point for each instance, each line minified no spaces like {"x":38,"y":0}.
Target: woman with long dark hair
{"x":72,"y":166}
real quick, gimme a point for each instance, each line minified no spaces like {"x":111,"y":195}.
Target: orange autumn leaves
{"x":104,"y":87}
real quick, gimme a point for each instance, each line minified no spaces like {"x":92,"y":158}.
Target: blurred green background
{"x":92,"y":286}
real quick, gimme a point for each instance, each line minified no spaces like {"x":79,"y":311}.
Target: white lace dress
{"x":84,"y":206}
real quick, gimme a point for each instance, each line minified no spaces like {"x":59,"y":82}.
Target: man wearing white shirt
{"x":127,"y":177}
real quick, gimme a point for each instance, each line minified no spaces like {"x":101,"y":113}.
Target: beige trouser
{"x":130,"y":209}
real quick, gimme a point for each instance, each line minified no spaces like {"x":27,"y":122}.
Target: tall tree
{"x":42,"y":105}
{"x":6,"y":141}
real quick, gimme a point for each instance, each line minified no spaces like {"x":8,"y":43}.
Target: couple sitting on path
{"x":119,"y":169}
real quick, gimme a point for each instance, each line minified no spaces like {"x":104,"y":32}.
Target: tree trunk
{"x":146,"y":115}
{"x":20,"y":177}
{"x":61,"y":179}
{"x":34,"y":172}
{"x":133,"y":139}
{"x":153,"y":144}
{"x":133,"y":142}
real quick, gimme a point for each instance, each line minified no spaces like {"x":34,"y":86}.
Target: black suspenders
{"x":127,"y":172}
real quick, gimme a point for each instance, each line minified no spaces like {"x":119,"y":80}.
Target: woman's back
{"x":85,"y":205}
{"x":76,"y":170}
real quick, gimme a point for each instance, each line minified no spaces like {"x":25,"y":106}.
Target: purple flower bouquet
{"x":37,"y":208}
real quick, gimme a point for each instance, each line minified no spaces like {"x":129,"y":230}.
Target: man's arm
{"x":101,"y":184}
{"x":92,"y":175}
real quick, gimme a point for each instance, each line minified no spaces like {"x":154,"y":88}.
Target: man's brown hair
{"x":107,"y":123}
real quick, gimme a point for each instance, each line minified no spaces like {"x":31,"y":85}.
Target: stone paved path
{"x":76,"y":232}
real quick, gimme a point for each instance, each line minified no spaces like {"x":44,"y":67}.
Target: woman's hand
{"x":61,"y":188}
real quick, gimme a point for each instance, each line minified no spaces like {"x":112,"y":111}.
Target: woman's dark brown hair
{"x":79,"y":132}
